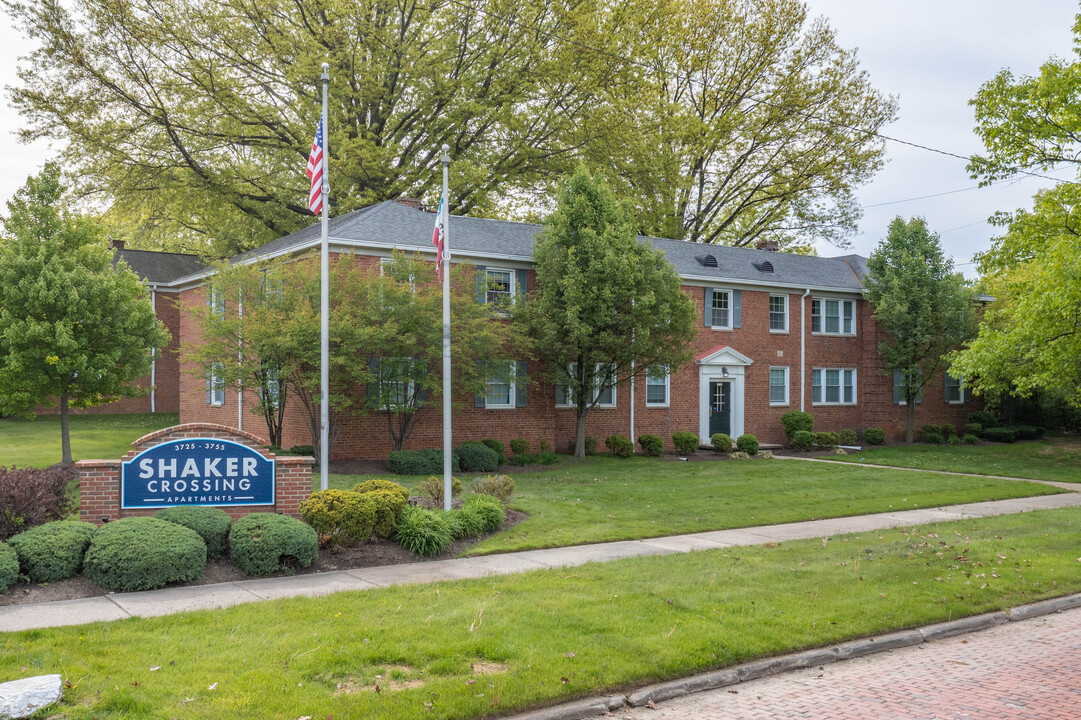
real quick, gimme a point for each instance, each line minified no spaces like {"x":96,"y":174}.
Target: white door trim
{"x":721,"y":365}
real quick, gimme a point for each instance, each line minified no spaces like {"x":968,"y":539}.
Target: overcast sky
{"x":932,"y":54}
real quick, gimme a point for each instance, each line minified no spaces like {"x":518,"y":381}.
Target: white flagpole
{"x":446,"y":336}
{"x":324,"y":309}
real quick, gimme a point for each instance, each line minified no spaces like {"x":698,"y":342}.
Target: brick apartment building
{"x":777,"y":332}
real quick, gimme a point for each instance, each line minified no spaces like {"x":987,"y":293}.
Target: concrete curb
{"x":716,"y":679}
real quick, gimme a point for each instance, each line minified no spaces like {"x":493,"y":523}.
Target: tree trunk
{"x":580,"y":431}
{"x":910,"y":420}
{"x":65,"y":435}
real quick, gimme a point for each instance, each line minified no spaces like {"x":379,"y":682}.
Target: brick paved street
{"x":1029,"y":669}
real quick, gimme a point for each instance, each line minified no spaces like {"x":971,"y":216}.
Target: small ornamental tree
{"x":924,"y":307}
{"x":74,"y":328}
{"x":607,"y":305}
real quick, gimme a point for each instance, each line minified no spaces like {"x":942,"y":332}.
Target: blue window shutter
{"x":737,"y":308}
{"x":373,"y":384}
{"x":519,"y":384}
{"x":422,"y":395}
{"x":209,"y":388}
{"x":478,"y":400}
{"x":520,"y":279}
{"x":482,"y":287}
{"x":708,"y":313}
{"x":897,"y":395}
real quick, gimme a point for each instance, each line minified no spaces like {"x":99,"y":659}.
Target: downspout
{"x":802,"y":349}
{"x":240,"y":360}
{"x":153,"y":351}
{"x":632,"y":403}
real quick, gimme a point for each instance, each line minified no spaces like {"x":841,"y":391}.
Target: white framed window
{"x":395,"y":386}
{"x":954,"y":390}
{"x":500,"y":286}
{"x":504,"y":386}
{"x":273,"y":287}
{"x":778,"y":385}
{"x":778,"y":313}
{"x":833,"y":386}
{"x":216,"y":301}
{"x":387,"y":269}
{"x":721,"y":309}
{"x":215,"y":384}
{"x":605,"y":399}
{"x":272,"y":378}
{"x":657,"y":386}
{"x":833,"y":317}
{"x":899,"y":389}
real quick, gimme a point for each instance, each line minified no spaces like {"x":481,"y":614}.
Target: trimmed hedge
{"x":1000,"y":434}
{"x":143,"y":553}
{"x":390,"y":501}
{"x":9,"y":566}
{"x":747,"y":443}
{"x":847,"y":437}
{"x":721,"y":443}
{"x":477,"y":457}
{"x":498,"y":448}
{"x":803,"y":440}
{"x":263,"y":543}
{"x":619,"y":446}
{"x":874,"y":436}
{"x":652,"y":445}
{"x":932,"y":437}
{"x":826,"y":440}
{"x":686,"y":442}
{"x":794,"y":421}
{"x":382,"y":485}
{"x":419,"y":462}
{"x":973,"y":429}
{"x":339,"y":515}
{"x":212,"y":524}
{"x":1029,"y":432}
{"x":53,"y":551}
{"x":986,"y":418}
{"x":425,"y":532}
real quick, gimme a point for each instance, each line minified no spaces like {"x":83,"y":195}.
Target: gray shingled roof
{"x":160,"y":267}
{"x":394,"y":225}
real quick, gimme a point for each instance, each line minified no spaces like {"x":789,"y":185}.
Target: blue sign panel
{"x":197,"y":471}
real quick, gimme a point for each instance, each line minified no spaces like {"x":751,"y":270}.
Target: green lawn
{"x":36,"y":443}
{"x":1051,"y":459}
{"x":503,"y":644}
{"x":604,"y":499}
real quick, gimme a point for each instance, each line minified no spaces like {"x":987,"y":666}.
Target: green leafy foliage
{"x":922,"y":306}
{"x":53,"y":551}
{"x":390,"y":500}
{"x":341,"y":516}
{"x":1029,"y":432}
{"x":497,"y":446}
{"x":591,"y":445}
{"x":425,"y":532}
{"x":489,"y":509}
{"x":477,"y":457}
{"x":518,"y":446}
{"x":264,"y":543}
{"x":985,"y":418}
{"x":847,"y":437}
{"x":826,"y":440}
{"x":874,"y":436}
{"x":76,"y":328}
{"x":686,"y":442}
{"x":1000,"y":434}
{"x":933,"y":437}
{"x":9,"y":566}
{"x":433,"y":488}
{"x":382,"y":485}
{"x":803,"y":440}
{"x":619,"y":446}
{"x":498,"y":486}
{"x":30,"y":497}
{"x":721,"y":442}
{"x":970,"y":439}
{"x":547,"y":458}
{"x":212,"y":524}
{"x":973,"y":428}
{"x":652,"y":445}
{"x":143,"y":553}
{"x":948,"y":430}
{"x":795,"y":420}
{"x":747,"y":443}
{"x":954,"y":440}
{"x":419,"y":462}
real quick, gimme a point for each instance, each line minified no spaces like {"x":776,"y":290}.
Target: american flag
{"x":437,"y":240}
{"x":315,"y":171}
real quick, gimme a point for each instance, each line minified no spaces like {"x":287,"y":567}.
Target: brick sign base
{"x":99,"y":480}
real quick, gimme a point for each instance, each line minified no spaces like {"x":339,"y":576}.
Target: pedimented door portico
{"x":720,"y":391}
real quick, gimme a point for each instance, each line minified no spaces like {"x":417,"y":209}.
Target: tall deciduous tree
{"x":607,"y":305}
{"x":72,"y":326}
{"x":924,"y":307}
{"x":725,"y":121}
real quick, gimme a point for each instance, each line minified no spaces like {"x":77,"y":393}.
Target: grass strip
{"x":1055,"y":459}
{"x":496,"y":645}
{"x":36,"y":443}
{"x":607,"y":499}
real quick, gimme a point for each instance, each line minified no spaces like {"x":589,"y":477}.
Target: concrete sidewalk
{"x":116,"y":606}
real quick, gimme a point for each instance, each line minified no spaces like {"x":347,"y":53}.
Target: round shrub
{"x":948,"y":430}
{"x":970,"y":439}
{"x":212,"y":524}
{"x":9,"y":566}
{"x":619,"y":446}
{"x":384,"y":485}
{"x":874,"y":436}
{"x":847,"y":437}
{"x":686,"y":442}
{"x":419,"y":462}
{"x":652,"y":445}
{"x":803,"y":440}
{"x":933,"y":438}
{"x":721,"y":443}
{"x":432,"y":488}
{"x":794,"y":421}
{"x":985,"y":418}
{"x":973,"y":429}
{"x":747,"y":443}
{"x":263,"y":543}
{"x":425,"y":532}
{"x":143,"y":553}
{"x":477,"y":457}
{"x":497,"y":446}
{"x":339,"y":515}
{"x":498,"y":486}
{"x":489,"y":509}
{"x":388,"y":508}
{"x":954,"y":440}
{"x":826,"y":440}
{"x":1000,"y":434}
{"x":53,"y":551}
{"x":518,"y":446}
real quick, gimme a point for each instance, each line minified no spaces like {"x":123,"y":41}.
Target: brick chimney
{"x":768,"y":245}
{"x":116,"y":244}
{"x":415,"y":203}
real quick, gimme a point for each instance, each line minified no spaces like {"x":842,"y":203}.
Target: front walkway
{"x":116,"y":606}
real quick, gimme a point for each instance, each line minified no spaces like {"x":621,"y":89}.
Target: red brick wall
{"x":99,"y":480}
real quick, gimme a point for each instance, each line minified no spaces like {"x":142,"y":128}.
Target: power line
{"x":811,"y":116}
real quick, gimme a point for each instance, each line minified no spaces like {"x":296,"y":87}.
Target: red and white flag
{"x":315,"y":171}
{"x":437,"y":240}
